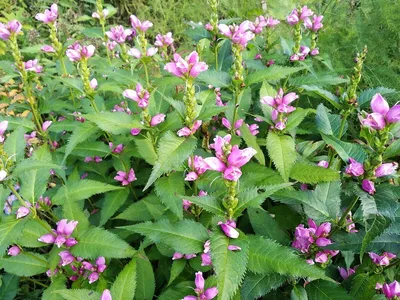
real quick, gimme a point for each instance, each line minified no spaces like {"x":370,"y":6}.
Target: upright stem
{"x":190,"y":102}
{"x":343,"y":218}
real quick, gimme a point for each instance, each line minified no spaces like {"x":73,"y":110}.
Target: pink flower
{"x":96,"y":15}
{"x":323,"y":164}
{"x":257,"y":26}
{"x":139,"y":95}
{"x":3,"y":128}
{"x":48,"y":49}
{"x":22,"y":211}
{"x":138,"y":25}
{"x":305,"y":13}
{"x":315,"y":24}
{"x":386,"y":169}
{"x":93,"y":83}
{"x":229,"y":230}
{"x":66,"y":258}
{"x":76,"y":52}
{"x":135,"y":131}
{"x":391,"y":290}
{"x":137,"y":54}
{"x":206,"y":259}
{"x":234,"y":248}
{"x":116,"y":150}
{"x":281,"y":102}
{"x":382,"y":113}
{"x":228,"y":125}
{"x":258,"y":56}
{"x":314,"y":52}
{"x":382,"y":260}
{"x":188,"y":67}
{"x":345,"y":273}
{"x":106,"y":295}
{"x":119,"y":34}
{"x":46,"y":125}
{"x":49,"y":16}
{"x":14,"y":250}
{"x":238,"y":34}
{"x":271,"y":22}
{"x":164,"y":40}
{"x":368,"y":186}
{"x":61,"y":235}
{"x":125,"y":178}
{"x":157,"y":119}
{"x":293,"y":17}
{"x":208,"y":294}
{"x":32,"y":65}
{"x":12,"y":27}
{"x":186,"y":131}
{"x":253,"y":128}
{"x":351,"y":227}
{"x":354,"y":168}
{"x":375,"y":121}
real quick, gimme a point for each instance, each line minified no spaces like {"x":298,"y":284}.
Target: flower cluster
{"x":207,"y":294}
{"x":188,"y":67}
{"x":309,"y":240}
{"x":119,"y":34}
{"x":76,"y":52}
{"x":61,"y":235}
{"x":391,"y":290}
{"x":11,"y":28}
{"x":239,"y":34}
{"x":382,"y":260}
{"x":382,"y":115}
{"x":186,"y":131}
{"x":49,"y":15}
{"x":125,"y":177}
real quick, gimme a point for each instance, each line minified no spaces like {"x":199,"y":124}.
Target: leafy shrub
{"x":247,"y":168}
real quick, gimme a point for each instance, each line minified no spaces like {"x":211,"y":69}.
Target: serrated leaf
{"x":176,"y":269}
{"x":10,"y":230}
{"x":185,"y":236}
{"x":81,"y":190}
{"x":281,"y":149}
{"x":124,"y":286}
{"x":208,"y":203}
{"x":325,"y":290}
{"x":31,"y":164}
{"x":112,"y":202}
{"x":25,"y":264}
{"x":91,"y":149}
{"x":34,"y":184}
{"x":225,"y":56}
{"x":323,"y":122}
{"x":78,"y":294}
{"x":172,"y":151}
{"x":230,"y":266}
{"x":258,"y":285}
{"x":97,"y":241}
{"x":272,"y":73}
{"x":365,"y":97}
{"x":331,"y":98}
{"x":146,"y":150}
{"x":251,"y":141}
{"x":266,"y":256}
{"x":168,"y":188}
{"x":14,"y":145}
{"x":344,"y":149}
{"x":368,"y":204}
{"x":296,"y":117}
{"x":145,"y":281}
{"x":215,"y":78}
{"x":114,"y":122}
{"x":263,"y":224}
{"x":363,"y":286}
{"x":33,"y":230}
{"x":375,"y":229}
{"x":58,"y":283}
{"x":73,"y":211}
{"x":393,"y":150}
{"x":298,"y":293}
{"x":329,"y":193}
{"x":179,"y":291}
{"x":9,"y":286}
{"x":81,"y":133}
{"x":317,"y":79}
{"x":142,"y":210}
{"x":307,"y":173}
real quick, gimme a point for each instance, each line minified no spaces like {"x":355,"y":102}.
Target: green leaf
{"x":323,"y":122}
{"x":296,"y":117}
{"x":393,"y":150}
{"x":124,"y":286}
{"x":25,"y":264}
{"x":172,"y":151}
{"x":10,"y":230}
{"x":225,"y":55}
{"x":230,"y":266}
{"x":93,"y":32}
{"x":263,"y":224}
{"x":179,"y":291}
{"x":58,"y":283}
{"x":146,"y":150}
{"x":272,"y":73}
{"x":208,"y":203}
{"x":329,"y":193}
{"x":82,"y":190}
{"x":185,"y":236}
{"x":145,"y":281}
{"x":257,"y":285}
{"x":365,"y":97}
{"x":81,"y":133}
{"x":251,"y":141}
{"x":317,"y":79}
{"x":168,"y":188}
{"x":375,"y":229}
{"x":14,"y":146}
{"x":266,"y":256}
{"x":73,"y":211}
{"x":363,"y":286}
{"x":325,"y":290}
{"x":307,"y":173}
{"x":78,"y":294}
{"x":114,"y":122}
{"x":112,"y":202}
{"x":176,"y":269}
{"x":298,"y":293}
{"x":281,"y":149}
{"x":91,"y":149}
{"x":31,"y":164}
{"x":9,"y":286}
{"x":33,"y":230}
{"x":75,"y":83}
{"x":215,"y":78}
{"x":34,"y":184}
{"x":97,"y":241}
{"x":368,"y":204}
{"x":319,"y":92}
{"x":251,"y":198}
{"x":345,"y":149}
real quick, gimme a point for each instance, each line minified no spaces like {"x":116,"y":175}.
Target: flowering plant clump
{"x":130,"y":166}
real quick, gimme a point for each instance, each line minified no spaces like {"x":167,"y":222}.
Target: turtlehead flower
{"x":237,"y":124}
{"x":188,"y":67}
{"x":49,"y":15}
{"x":125,"y":178}
{"x":106,"y":295}
{"x":271,"y":22}
{"x":46,"y":125}
{"x":354,"y":168}
{"x":157,"y":119}
{"x":3,"y":128}
{"x":96,"y":15}
{"x":386,"y":169}
{"x":96,"y":269}
{"x":12,"y":27}
{"x":93,"y":83}
{"x":323,"y":164}
{"x":258,"y":25}
{"x":315,"y":24}
{"x":119,"y":34}
{"x":293,"y":17}
{"x":351,"y":227}
{"x":382,"y":114}
{"x":23,"y":211}
{"x":229,"y":229}
{"x":62,"y":235}
{"x":305,"y":13}
{"x":139,"y":95}
{"x":345,"y":273}
{"x":208,"y":294}
{"x":368,"y":186}
{"x":281,"y":102}
{"x":164,"y":40}
{"x":234,"y":248}
{"x":137,"y":54}
{"x":77,"y":52}
{"x":116,"y":150}
{"x":139,"y":25}
{"x":186,"y":131}
{"x":198,"y":166}
{"x":314,"y":52}
{"x":48,"y":49}
{"x":238,"y":34}
{"x":391,"y":290}
{"x":14,"y":250}
{"x":66,"y":258}
{"x":178,"y":255}
{"x":135,"y":131}
{"x":382,"y":260}
{"x":33,"y":65}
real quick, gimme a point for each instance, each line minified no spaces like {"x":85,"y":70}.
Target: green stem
{"x":36,"y":282}
{"x":235,"y":111}
{"x":216,"y":57}
{"x":343,"y":218}
{"x":14,"y":191}
{"x":147,"y":74}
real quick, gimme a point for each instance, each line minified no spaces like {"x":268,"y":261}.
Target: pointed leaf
{"x":78,"y":294}
{"x":272,"y":73}
{"x":344,"y":149}
{"x":325,"y":290}
{"x":251,"y":141}
{"x":306,"y":173}
{"x":375,"y":229}
{"x":112,"y":202}
{"x":9,"y":286}
{"x":114,"y":122}
{"x":168,"y":188}
{"x":124,"y":286}
{"x":25,"y":264}
{"x":258,"y":285}
{"x":145,"y":281}
{"x":14,"y":145}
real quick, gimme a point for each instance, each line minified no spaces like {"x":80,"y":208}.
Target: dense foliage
{"x":245,"y":167}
